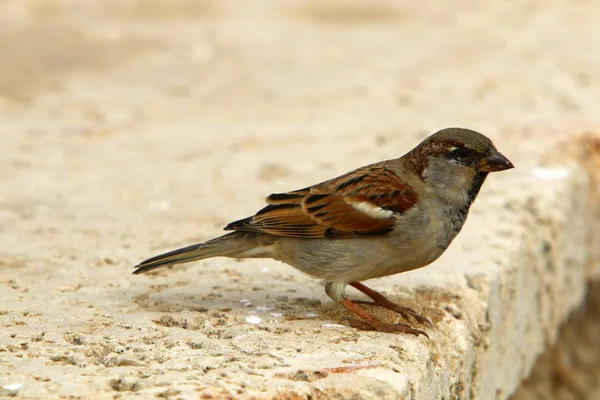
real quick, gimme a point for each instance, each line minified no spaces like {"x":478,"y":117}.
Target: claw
{"x":384,"y":327}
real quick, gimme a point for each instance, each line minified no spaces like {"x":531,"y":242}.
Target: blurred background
{"x":128,"y":126}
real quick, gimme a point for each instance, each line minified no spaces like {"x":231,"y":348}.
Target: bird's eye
{"x":460,"y":153}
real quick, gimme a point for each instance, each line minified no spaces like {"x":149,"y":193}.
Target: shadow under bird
{"x":382,"y":219}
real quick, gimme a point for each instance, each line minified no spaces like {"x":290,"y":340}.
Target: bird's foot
{"x":406,"y":312}
{"x":381,"y":326}
{"x":370,"y":322}
{"x":382,"y":301}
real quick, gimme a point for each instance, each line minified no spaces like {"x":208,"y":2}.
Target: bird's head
{"x":454,"y":163}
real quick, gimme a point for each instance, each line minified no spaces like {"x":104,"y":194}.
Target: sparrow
{"x":378,"y":220}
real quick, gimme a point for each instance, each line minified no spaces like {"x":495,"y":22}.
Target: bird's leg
{"x":381,"y":301}
{"x":369,"y":322}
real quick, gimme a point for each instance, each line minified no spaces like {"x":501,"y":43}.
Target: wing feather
{"x":363,"y":202}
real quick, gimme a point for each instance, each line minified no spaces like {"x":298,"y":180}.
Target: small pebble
{"x":13,"y":388}
{"x":333,"y":326}
{"x":245,"y":303}
{"x":253,"y":319}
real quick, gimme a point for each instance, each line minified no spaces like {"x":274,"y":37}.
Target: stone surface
{"x":129,"y":128}
{"x":571,"y":368}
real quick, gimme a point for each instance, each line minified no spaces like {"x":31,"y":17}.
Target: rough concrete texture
{"x":130,"y":128}
{"x":571,"y":369}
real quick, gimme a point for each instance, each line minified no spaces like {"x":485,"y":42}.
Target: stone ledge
{"x":128,"y":134}
{"x":571,"y":368}
{"x":497,"y":298}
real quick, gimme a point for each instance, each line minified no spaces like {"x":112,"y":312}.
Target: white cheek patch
{"x":372,"y":210}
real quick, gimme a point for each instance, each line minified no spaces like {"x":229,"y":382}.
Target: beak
{"x":495,"y":162}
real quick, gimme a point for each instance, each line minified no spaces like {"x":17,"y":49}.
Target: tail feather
{"x":212,"y":248}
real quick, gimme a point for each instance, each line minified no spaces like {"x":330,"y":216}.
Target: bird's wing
{"x":363,"y":202}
